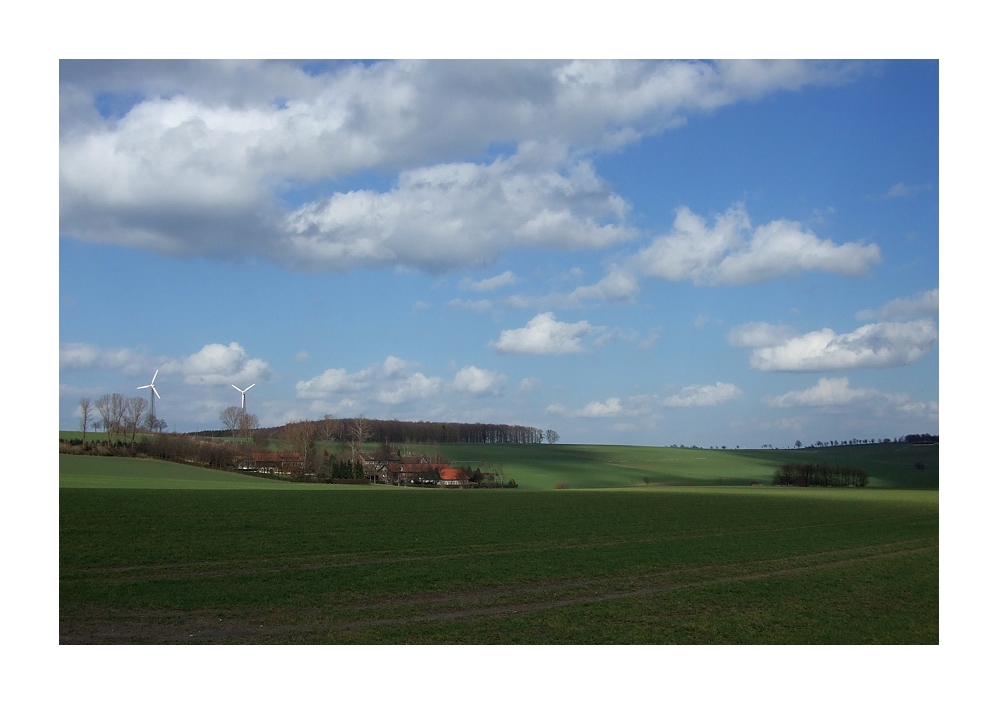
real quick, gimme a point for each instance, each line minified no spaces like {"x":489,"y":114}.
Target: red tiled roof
{"x":450,"y":474}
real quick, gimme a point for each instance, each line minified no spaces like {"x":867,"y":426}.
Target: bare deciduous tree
{"x":135,"y":409}
{"x":119,"y":406}
{"x":86,"y":408}
{"x":360,"y":431}
{"x":112,"y":409}
{"x":103,"y":405}
{"x":232,"y":417}
{"x":248,"y":423}
{"x":329,"y":428}
{"x":301,"y":434}
{"x":153,"y":423}
{"x":552,"y":437}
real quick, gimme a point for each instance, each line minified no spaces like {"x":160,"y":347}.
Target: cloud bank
{"x":215,"y":158}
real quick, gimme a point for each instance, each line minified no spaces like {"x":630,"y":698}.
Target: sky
{"x":704,"y":253}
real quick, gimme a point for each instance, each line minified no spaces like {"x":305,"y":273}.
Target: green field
{"x":593,"y":466}
{"x":646,"y":564}
{"x":90,"y":472}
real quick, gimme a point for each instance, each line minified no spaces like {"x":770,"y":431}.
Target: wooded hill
{"x":403,"y":431}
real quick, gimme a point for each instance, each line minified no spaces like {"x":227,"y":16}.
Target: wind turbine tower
{"x":243,"y":392}
{"x":153,"y":395}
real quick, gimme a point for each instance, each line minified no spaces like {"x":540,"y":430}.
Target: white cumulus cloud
{"x":333,"y":381}
{"x":543,"y":334}
{"x":618,"y":286}
{"x":528,"y":384}
{"x":216,"y":364}
{"x":213,"y":364}
{"x":827,"y":392}
{"x":613,"y":407}
{"x":594,"y":409}
{"x":759,"y":335}
{"x":396,"y":382}
{"x":478,"y":382}
{"x":887,"y":344}
{"x":394,"y":368}
{"x":732,"y":252}
{"x":80,"y":355}
{"x":339,"y":381}
{"x":837,"y":393}
{"x":417,"y":386}
{"x":460,"y":214}
{"x":504,"y":279}
{"x":922,"y":304}
{"x":699,"y":396}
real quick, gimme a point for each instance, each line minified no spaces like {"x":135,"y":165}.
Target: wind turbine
{"x":152,"y":399}
{"x":243,"y":392}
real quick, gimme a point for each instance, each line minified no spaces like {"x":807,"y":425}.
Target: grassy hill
{"x":595,"y":466}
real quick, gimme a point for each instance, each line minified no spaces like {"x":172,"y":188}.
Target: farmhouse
{"x":390,"y":468}
{"x":449,"y":476}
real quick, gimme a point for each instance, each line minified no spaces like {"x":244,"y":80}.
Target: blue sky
{"x":730,"y":253}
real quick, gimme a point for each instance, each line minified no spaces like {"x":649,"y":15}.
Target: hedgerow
{"x":799,"y":474}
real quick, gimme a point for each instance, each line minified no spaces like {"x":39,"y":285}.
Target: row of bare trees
{"x":216,"y":454}
{"x":117,"y":416}
{"x":917,"y":439}
{"x":304,"y":434}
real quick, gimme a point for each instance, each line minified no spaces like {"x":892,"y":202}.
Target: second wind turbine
{"x":243,"y":392}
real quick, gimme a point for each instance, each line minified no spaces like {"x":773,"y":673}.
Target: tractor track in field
{"x":234,"y":625}
{"x":616,"y":594}
{"x":248,"y":566}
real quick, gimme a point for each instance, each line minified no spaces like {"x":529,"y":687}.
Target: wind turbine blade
{"x":236,"y":388}
{"x":154,"y":378}
{"x":248,"y":388}
{"x":155,"y":391}
{"x":147,"y":386}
